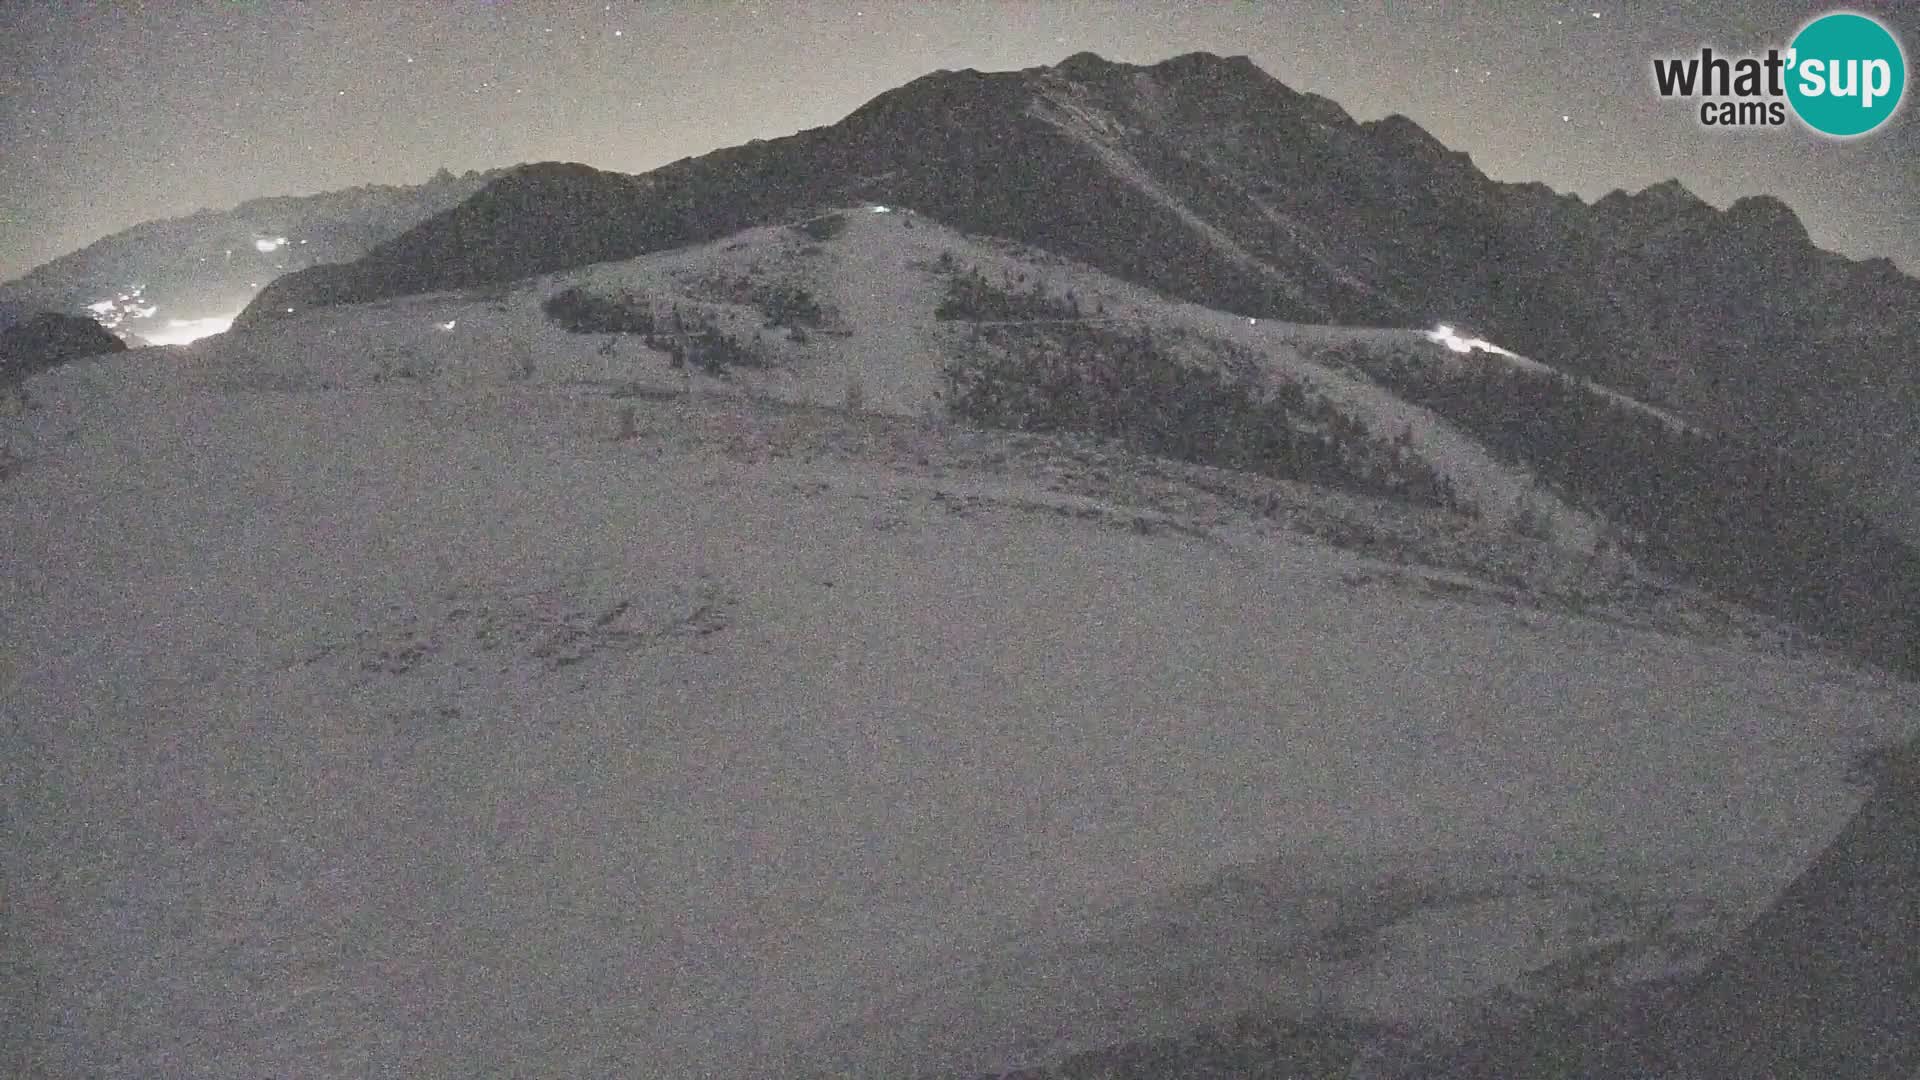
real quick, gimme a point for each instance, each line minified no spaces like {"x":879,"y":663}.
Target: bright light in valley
{"x":131,"y":312}
{"x":448,"y":325}
{"x":111,"y":312}
{"x":265,"y":244}
{"x":1444,"y":335}
{"x":182,"y":331}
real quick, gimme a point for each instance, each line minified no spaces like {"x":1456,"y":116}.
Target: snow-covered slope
{"x":472,"y":721}
{"x":879,"y":281}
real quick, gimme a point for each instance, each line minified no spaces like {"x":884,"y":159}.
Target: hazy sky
{"x":112,"y":113}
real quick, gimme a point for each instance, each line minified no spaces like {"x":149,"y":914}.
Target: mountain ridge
{"x":1203,"y":84}
{"x":1207,"y":179}
{"x":210,"y":263}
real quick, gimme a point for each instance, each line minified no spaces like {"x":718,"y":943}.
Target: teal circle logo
{"x":1846,"y":74}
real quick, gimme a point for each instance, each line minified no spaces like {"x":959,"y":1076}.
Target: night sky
{"x":112,"y":113}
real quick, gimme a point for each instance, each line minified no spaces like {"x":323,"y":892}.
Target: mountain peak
{"x":1670,"y":193}
{"x":1090,"y":66}
{"x":1086,"y":65}
{"x":1665,"y":200}
{"x":1406,"y":132}
{"x":1201,"y":60}
{"x":1769,"y":214}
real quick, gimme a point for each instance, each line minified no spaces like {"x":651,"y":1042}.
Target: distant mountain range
{"x":206,"y":266}
{"x":1207,"y":179}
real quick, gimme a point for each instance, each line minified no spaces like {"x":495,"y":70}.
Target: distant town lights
{"x":182,"y":331}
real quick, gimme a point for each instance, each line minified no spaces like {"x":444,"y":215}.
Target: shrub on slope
{"x":581,"y":312}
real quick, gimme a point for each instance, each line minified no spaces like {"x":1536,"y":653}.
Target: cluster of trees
{"x":581,"y":312}
{"x":1125,"y":386}
{"x":1743,"y":520}
{"x":707,"y":346}
{"x":972,"y":297}
{"x":781,"y":303}
{"x":688,"y":338}
{"x":789,"y":305}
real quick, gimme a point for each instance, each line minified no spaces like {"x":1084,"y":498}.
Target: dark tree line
{"x":1743,"y":520}
{"x":581,"y":312}
{"x":687,"y":338}
{"x":972,"y":297}
{"x":1124,"y":386}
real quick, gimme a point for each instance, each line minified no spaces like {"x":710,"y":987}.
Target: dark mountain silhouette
{"x":1207,"y":179}
{"x":37,"y":341}
{"x":206,"y":265}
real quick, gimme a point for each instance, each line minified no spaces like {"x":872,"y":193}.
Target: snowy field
{"x":365,"y":732}
{"x":439,"y":727}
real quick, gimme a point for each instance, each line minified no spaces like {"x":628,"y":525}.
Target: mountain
{"x":456,"y":683}
{"x":31,"y":342}
{"x":1206,"y":179}
{"x":206,"y":266}
{"x":1503,"y":436}
{"x":553,"y":674}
